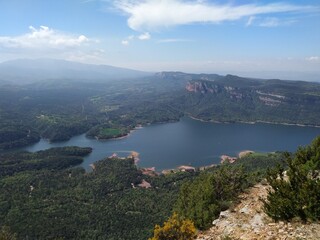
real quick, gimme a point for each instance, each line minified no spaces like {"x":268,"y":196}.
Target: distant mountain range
{"x":24,"y":71}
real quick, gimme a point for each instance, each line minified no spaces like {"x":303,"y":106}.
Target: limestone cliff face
{"x":205,"y":87}
{"x":201,"y":87}
{"x":247,"y":221}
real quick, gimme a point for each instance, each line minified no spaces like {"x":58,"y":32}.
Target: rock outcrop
{"x":248,"y":221}
{"x":202,"y":87}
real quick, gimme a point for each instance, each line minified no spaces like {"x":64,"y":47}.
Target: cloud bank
{"x":150,"y":15}
{"x":44,"y":37}
{"x":45,"y":41}
{"x":313,"y":59}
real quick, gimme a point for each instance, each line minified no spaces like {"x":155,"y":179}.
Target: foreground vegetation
{"x":205,"y":197}
{"x":295,"y":191}
{"x":43,"y":198}
{"x":54,"y":201}
{"x":215,"y":190}
{"x":175,"y":228}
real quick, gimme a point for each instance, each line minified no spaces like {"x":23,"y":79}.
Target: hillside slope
{"x":234,"y":99}
{"x":248,"y":221}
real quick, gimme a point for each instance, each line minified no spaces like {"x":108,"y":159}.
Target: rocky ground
{"x":248,"y":221}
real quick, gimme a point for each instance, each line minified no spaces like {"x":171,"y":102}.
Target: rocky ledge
{"x":247,"y":220}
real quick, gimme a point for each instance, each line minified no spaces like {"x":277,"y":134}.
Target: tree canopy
{"x":296,"y":192}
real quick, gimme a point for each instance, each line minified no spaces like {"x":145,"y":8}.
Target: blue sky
{"x":234,"y":36}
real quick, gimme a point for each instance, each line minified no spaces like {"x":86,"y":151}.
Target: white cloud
{"x":42,"y":38}
{"x":47,"y":42}
{"x":270,"y":22}
{"x":275,"y":22}
{"x":250,"y":21}
{"x":125,"y":42}
{"x":145,"y":36}
{"x":313,"y":58}
{"x":149,"y":15}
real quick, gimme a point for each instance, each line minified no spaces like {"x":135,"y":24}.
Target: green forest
{"x":44,"y":197}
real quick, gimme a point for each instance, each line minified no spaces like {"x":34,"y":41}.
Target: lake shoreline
{"x":189,"y":142}
{"x":255,"y":122}
{"x":209,"y":121}
{"x":188,"y":115}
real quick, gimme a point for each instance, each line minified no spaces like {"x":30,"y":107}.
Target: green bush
{"x":296,"y":193}
{"x":202,"y":199}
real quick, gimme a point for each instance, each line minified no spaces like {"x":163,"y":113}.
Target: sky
{"x":267,"y":38}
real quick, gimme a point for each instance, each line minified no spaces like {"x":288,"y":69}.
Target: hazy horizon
{"x":283,"y":75}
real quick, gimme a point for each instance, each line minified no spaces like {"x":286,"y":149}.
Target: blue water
{"x":189,"y":141}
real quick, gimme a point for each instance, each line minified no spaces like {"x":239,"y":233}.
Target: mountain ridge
{"x":24,"y":71}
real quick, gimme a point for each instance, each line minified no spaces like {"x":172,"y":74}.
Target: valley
{"x":159,"y":120}
{"x":59,"y":109}
{"x":56,"y":136}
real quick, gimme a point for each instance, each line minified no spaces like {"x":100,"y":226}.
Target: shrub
{"x":176,"y":228}
{"x":298,"y":193}
{"x":202,"y":199}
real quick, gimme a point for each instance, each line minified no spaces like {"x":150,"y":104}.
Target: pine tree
{"x":296,"y":193}
{"x":202,"y":199}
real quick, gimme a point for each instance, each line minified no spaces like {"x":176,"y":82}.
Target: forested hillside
{"x":59,"y":109}
{"x":41,"y":197}
{"x":232,"y":99}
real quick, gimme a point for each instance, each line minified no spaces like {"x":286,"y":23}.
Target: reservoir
{"x":191,"y":142}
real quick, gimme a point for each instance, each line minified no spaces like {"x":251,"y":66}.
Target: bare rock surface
{"x":248,"y":221}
